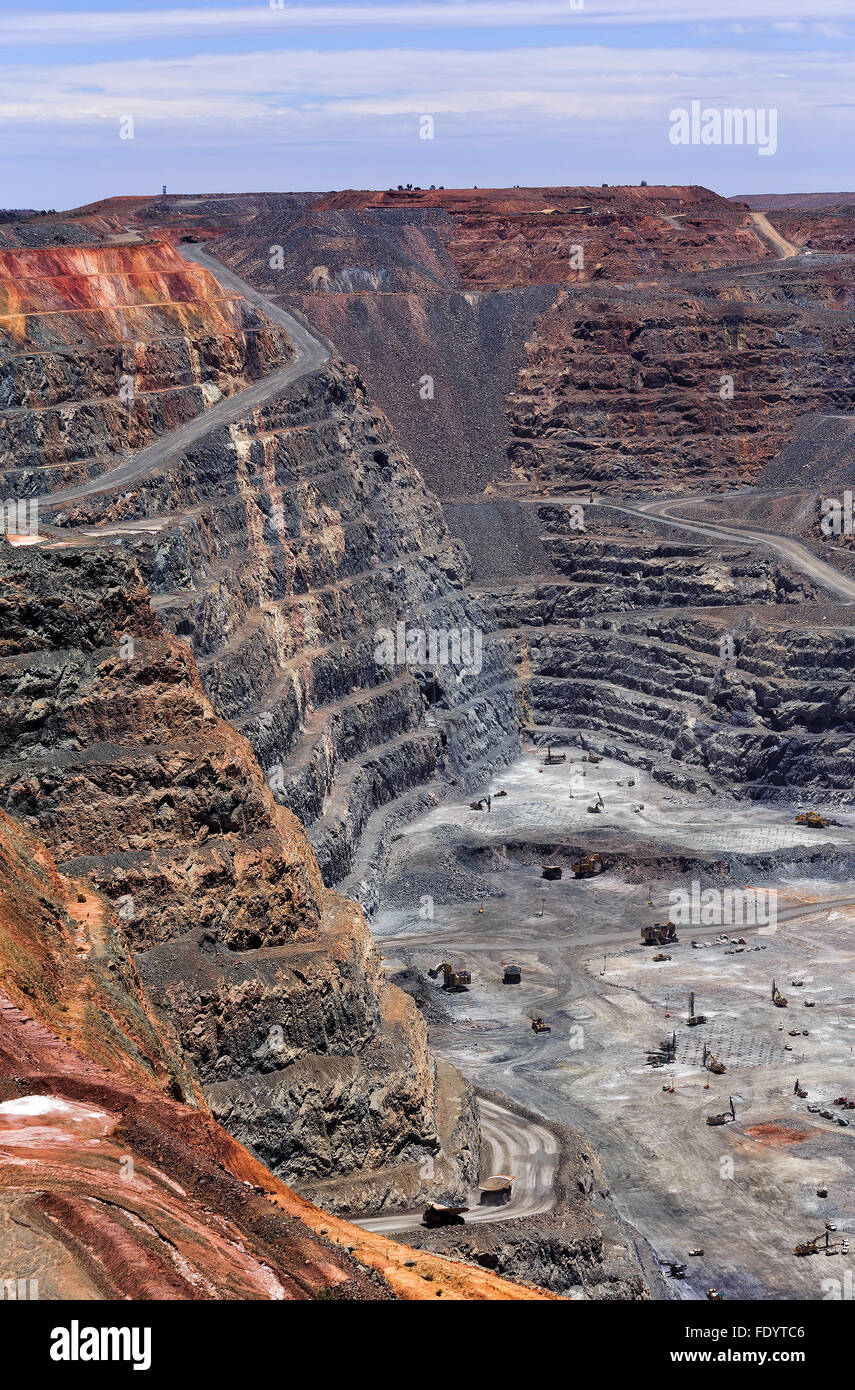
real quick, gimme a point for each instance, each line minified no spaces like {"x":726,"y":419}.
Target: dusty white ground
{"x":745,"y":1192}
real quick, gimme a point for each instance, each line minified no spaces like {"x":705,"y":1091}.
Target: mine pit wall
{"x":470,"y":345}
{"x":274,"y":984}
{"x":298,"y":534}
{"x":626,"y":647}
{"x":673,"y":387}
{"x":78,"y":327}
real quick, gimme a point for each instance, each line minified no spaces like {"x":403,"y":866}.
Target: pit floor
{"x":744,"y":1192}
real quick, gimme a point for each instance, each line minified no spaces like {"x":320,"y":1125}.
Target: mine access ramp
{"x":496,"y":1191}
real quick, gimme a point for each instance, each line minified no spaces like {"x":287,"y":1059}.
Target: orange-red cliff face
{"x":115,"y":1182}
{"x":104,"y":348}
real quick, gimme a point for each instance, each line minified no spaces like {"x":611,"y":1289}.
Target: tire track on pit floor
{"x":520,"y":1147}
{"x":310,"y":354}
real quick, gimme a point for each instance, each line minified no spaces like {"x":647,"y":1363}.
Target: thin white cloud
{"x":126,"y":26}
{"x":580,"y":82}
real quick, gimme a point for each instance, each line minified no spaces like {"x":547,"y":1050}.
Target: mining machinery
{"x":588,"y":865}
{"x":539,"y":1026}
{"x":665,"y":1053}
{"x":812,"y":1247}
{"x":777,"y":997}
{"x":660,"y":934}
{"x":552,"y":758}
{"x":456,"y":981}
{"x":813,"y":819}
{"x":694,"y":1019}
{"x":725,"y":1118}
{"x":798,"y":1091}
{"x":437,"y":1214}
{"x":712,"y":1063}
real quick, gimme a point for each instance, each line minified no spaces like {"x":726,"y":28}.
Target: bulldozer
{"x":539,"y":1026}
{"x":813,"y":819}
{"x":712,"y":1063}
{"x":588,"y":866}
{"x":726,"y":1117}
{"x":777,"y":997}
{"x":455,"y":981}
{"x":660,"y":956}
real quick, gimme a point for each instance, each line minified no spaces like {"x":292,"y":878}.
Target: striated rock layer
{"x":113,"y":753}
{"x":105,"y":348}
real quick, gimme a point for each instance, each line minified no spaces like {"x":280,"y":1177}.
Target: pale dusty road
{"x":310,"y":354}
{"x":792,"y":551}
{"x":519,"y":1147}
{"x":763,"y":227}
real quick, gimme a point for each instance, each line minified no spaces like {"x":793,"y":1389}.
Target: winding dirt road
{"x":792,"y":551}
{"x":310,"y":353}
{"x":527,"y":1151}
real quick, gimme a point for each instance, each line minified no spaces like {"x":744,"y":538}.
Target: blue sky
{"x":232,"y":95}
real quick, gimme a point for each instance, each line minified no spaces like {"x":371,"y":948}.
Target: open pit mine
{"x":427,"y":754}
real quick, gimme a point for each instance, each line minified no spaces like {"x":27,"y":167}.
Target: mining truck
{"x":436,"y":1214}
{"x":660,"y":934}
{"x":512,"y":975}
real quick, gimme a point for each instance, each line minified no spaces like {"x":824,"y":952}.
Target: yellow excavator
{"x":777,"y":997}
{"x":813,"y":819}
{"x":456,"y":981}
{"x":588,"y":865}
{"x":812,"y":1247}
{"x":712,"y":1063}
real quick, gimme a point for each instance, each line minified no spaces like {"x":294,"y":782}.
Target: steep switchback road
{"x":310,"y":354}
{"x":519,"y":1147}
